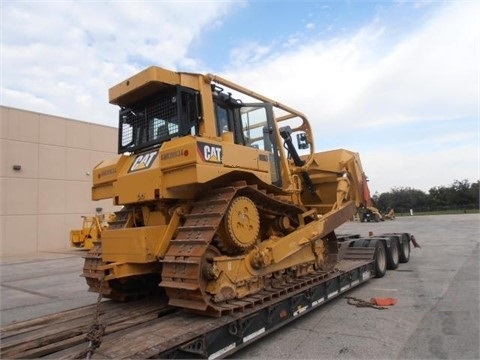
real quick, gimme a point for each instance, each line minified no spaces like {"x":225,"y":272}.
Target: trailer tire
{"x":380,"y":257}
{"x":404,"y":246}
{"x":404,"y":250}
{"x":393,"y":256}
{"x":360,"y":243}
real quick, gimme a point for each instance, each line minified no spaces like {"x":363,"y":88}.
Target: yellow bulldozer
{"x":91,"y":230}
{"x":222,"y":191}
{"x":368,"y":210}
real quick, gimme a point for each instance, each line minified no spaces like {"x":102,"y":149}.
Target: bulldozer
{"x":369,"y":214}
{"x":390,"y":215}
{"x":91,"y":231}
{"x":222,"y":191}
{"x":368,"y":210}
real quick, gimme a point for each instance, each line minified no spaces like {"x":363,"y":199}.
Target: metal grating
{"x":149,"y":123}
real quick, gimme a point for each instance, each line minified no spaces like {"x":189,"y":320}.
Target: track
{"x":119,"y":290}
{"x":92,"y":268}
{"x":185,"y":261}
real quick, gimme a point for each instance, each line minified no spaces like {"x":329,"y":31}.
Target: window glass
{"x":255,"y":128}
{"x":222,"y":120}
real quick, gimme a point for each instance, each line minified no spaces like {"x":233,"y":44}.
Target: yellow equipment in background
{"x":368,"y":214}
{"x":390,"y":215}
{"x":368,"y":210}
{"x":91,"y":231}
{"x":219,"y":201}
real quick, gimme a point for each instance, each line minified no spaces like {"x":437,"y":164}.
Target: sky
{"x":396,"y":81}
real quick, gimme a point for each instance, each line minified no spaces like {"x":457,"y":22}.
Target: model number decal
{"x":174,"y":154}
{"x":210,"y":153}
{"x":107,"y":172}
{"x":263,"y":157}
{"x":143,"y":161}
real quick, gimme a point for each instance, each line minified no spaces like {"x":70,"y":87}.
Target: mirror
{"x":302,"y":142}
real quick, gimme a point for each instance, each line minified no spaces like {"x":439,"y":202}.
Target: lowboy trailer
{"x":150,"y":328}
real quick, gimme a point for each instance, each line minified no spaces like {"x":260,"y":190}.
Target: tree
{"x":440,"y":196}
{"x":402,"y":199}
{"x":475,"y":193}
{"x":460,"y":194}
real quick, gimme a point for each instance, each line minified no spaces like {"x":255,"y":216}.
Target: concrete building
{"x":45,"y":178}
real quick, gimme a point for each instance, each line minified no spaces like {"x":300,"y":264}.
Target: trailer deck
{"x":168,"y":333}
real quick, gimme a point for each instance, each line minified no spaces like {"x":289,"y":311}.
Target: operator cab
{"x":252,"y":125}
{"x":175,"y":111}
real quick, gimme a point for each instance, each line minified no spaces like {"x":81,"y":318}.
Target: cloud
{"x":404,"y":94}
{"x":61,"y":57}
{"x":247,"y":53}
{"x":389,"y":167}
{"x":377,"y":93}
{"x":430,"y":73}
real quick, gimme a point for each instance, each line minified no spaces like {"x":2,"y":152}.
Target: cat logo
{"x":210,"y":153}
{"x":143,"y":161}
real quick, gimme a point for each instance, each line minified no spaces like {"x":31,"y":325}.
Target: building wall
{"x":45,"y":199}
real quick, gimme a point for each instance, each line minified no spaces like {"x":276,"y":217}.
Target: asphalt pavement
{"x":437,"y":293}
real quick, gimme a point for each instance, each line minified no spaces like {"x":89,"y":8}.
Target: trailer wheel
{"x":404,"y":253}
{"x":380,"y":258}
{"x":393,"y":254}
{"x":360,"y":243}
